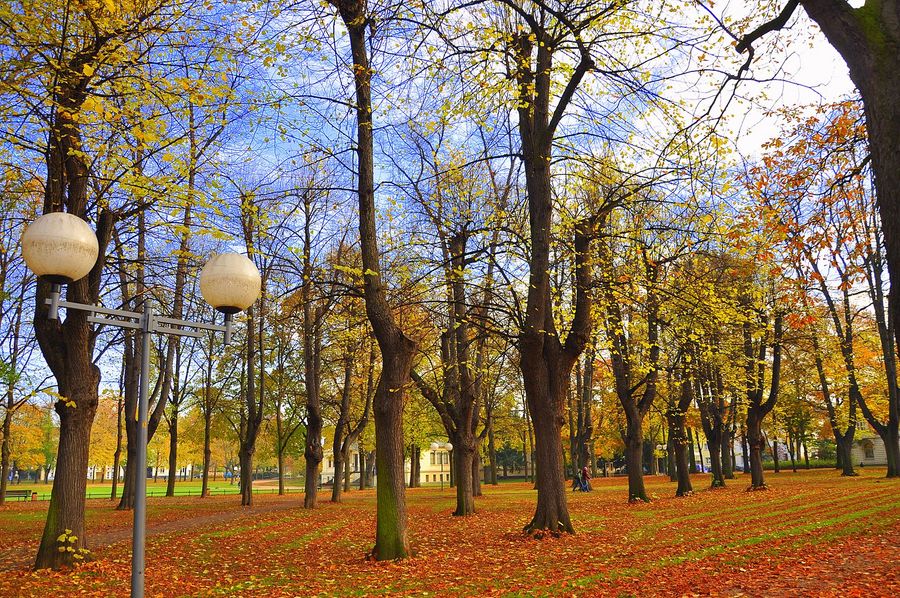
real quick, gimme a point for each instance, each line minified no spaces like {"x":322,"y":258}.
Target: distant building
{"x":868,"y":450}
{"x":434,"y":466}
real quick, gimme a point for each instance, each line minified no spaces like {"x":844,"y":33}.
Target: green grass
{"x":158,"y":488}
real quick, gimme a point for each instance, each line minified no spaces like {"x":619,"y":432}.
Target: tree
{"x":397,"y":349}
{"x":635,"y":371}
{"x":530,"y":39}
{"x":66,"y":54}
{"x":867,"y":38}
{"x":756,"y":331}
{"x":815,"y":187}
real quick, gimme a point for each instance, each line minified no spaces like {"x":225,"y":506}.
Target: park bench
{"x":18,"y":494}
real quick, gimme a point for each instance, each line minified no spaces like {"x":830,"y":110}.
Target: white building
{"x":868,"y":451}
{"x":434,"y":466}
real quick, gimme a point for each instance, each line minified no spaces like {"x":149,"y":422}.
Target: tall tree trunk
{"x":207,"y":453}
{"x":340,"y":429}
{"x":118,"y":452}
{"x":670,"y":458}
{"x":4,"y":448}
{"x":173,"y":452}
{"x":757,"y":409}
{"x":463,"y":455}
{"x":252,"y":419}
{"x":66,"y":509}
{"x":245,"y":459}
{"x":680,"y":441}
{"x":790,"y":447}
{"x":12,"y":405}
{"x":715,"y":453}
{"x":777,"y":463}
{"x":845,"y":456}
{"x":552,"y":511}
{"x":652,"y":463}
{"x":476,"y":470}
{"x":701,"y":465}
{"x":635,"y":403}
{"x":634,"y":460}
{"x":727,"y":451}
{"x":415,"y":455}
{"x":745,"y":452}
{"x":397,"y":349}
{"x":757,"y":443}
{"x":371,"y":465}
{"x":280,"y":447}
{"x":346,"y":452}
{"x":692,"y":459}
{"x":312,"y":357}
{"x":492,"y":449}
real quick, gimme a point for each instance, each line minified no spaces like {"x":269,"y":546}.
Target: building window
{"x":432,"y":457}
{"x":426,"y":478}
{"x":868,"y":449}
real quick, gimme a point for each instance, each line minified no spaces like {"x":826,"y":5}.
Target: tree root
{"x":538,"y":532}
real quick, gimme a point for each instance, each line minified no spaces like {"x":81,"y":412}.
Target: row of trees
{"x":522,"y":194}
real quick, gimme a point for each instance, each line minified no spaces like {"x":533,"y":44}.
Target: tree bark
{"x":415,"y":455}
{"x":492,"y":449}
{"x":680,"y":441}
{"x":207,"y":453}
{"x":757,"y":443}
{"x":775,"y":461}
{"x":118,"y":453}
{"x":463,"y":456}
{"x":727,"y":452}
{"x":5,"y":450}
{"x":634,"y":461}
{"x":476,"y":470}
{"x":692,"y":459}
{"x":173,"y":452}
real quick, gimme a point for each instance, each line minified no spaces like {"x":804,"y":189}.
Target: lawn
{"x":812,"y":533}
{"x":158,"y":488}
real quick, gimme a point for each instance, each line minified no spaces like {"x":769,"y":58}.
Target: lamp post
{"x":436,"y":446}
{"x":62,"y":248}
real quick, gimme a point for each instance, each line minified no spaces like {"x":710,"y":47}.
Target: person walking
{"x":585,"y":479}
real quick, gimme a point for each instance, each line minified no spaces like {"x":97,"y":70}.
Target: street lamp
{"x":436,"y":446}
{"x":62,"y":248}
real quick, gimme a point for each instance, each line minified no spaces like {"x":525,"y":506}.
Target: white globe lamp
{"x":60,"y":247}
{"x":230,"y":282}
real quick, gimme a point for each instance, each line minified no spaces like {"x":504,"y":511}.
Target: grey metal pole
{"x":140,"y":483}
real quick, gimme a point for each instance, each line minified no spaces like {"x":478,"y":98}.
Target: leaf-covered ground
{"x":814,"y":533}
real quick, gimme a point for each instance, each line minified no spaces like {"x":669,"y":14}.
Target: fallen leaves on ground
{"x":814,"y":533}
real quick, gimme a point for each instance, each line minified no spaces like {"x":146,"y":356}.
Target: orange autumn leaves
{"x":797,"y":536}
